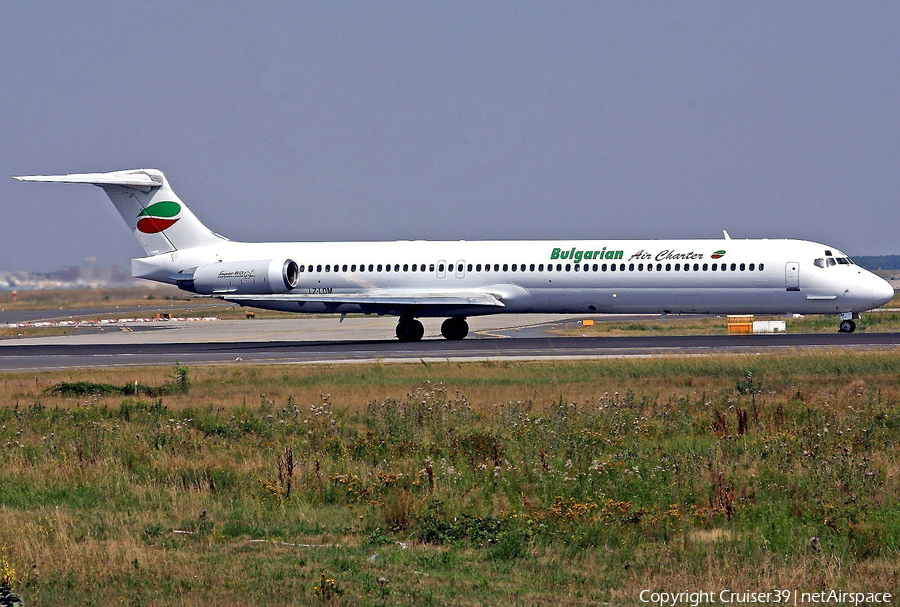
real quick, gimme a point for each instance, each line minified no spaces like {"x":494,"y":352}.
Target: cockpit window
{"x":843,"y":261}
{"x":820,"y":262}
{"x":831,"y":262}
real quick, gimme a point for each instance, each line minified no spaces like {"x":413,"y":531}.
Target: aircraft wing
{"x":376,"y":299}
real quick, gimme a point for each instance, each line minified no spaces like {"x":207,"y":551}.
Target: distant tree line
{"x":878,"y":262}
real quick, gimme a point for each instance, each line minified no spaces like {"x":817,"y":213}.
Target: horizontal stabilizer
{"x":143,"y":179}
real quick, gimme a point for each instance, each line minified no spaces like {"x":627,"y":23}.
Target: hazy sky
{"x":454,"y":120}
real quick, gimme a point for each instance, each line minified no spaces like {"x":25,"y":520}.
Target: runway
{"x":368,"y":340}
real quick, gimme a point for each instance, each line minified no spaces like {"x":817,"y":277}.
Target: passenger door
{"x":792,"y":276}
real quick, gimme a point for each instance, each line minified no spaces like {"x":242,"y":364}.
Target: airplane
{"x":459,"y":279}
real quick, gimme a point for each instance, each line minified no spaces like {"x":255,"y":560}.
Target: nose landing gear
{"x":847,"y":324}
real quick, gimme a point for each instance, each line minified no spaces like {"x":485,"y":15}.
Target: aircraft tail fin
{"x":155,"y":214}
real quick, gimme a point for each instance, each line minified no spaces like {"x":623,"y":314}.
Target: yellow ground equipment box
{"x":740,"y":325}
{"x":587,"y":323}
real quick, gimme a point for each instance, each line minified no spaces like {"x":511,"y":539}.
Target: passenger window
{"x":353,"y":268}
{"x":577,"y":268}
{"x":659,"y":267}
{"x":640,"y":267}
{"x":387,"y":268}
{"x":371,"y":268}
{"x":742,"y":267}
{"x":649,"y":267}
{"x":568,"y":267}
{"x":733,"y":267}
{"x":751,"y":267}
{"x":531,"y":267}
{"x":441,"y":268}
{"x":705,"y":267}
{"x":478,"y":267}
{"x":469,"y":268}
{"x":677,"y":267}
{"x":631,"y":267}
{"x":595,"y":267}
{"x":514,"y":266}
{"x":762,"y":266}
{"x":668,"y":267}
{"x":379,"y":267}
{"x":559,"y":267}
{"x":450,"y":268}
{"x":541,"y":268}
{"x":505,"y":267}
{"x":696,"y":267}
{"x":603,"y":268}
{"x":319,"y":268}
{"x":715,"y":267}
{"x":496,"y":267}
{"x":396,"y":267}
{"x":612,"y":267}
{"x":621,"y":267}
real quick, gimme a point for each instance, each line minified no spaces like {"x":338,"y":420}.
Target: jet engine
{"x":261,"y":277}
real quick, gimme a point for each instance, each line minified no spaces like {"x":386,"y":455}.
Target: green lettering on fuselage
{"x":578,"y":256}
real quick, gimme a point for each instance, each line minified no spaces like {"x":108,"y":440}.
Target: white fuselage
{"x":611,"y":276}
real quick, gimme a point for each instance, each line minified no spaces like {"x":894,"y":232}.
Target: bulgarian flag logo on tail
{"x":158,"y":217}
{"x":718,"y":254}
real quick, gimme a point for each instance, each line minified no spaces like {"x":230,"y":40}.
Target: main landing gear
{"x":410,"y":329}
{"x":455,"y":328}
{"x":847,"y":324}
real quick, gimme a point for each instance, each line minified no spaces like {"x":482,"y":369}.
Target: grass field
{"x":451,"y":484}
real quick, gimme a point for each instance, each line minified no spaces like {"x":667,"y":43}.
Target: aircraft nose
{"x":882,"y":292}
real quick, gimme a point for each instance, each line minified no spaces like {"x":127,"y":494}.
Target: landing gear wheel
{"x":410,"y":330}
{"x":847,"y":326}
{"x":455,"y":328}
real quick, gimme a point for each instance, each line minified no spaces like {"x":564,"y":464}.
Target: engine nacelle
{"x":261,"y":277}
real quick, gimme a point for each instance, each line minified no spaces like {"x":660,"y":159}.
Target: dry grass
{"x":572,"y":483}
